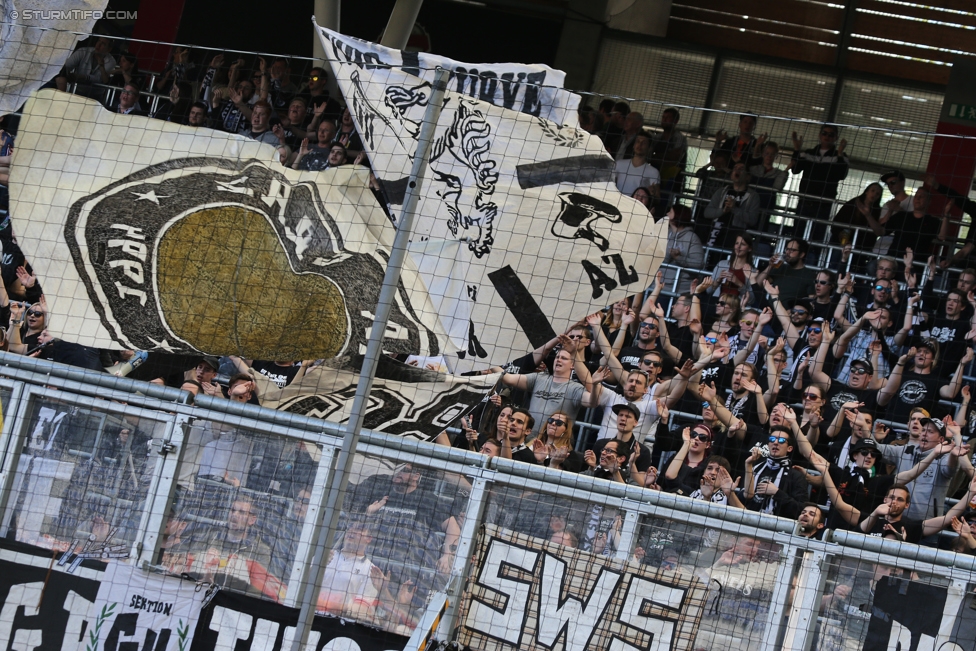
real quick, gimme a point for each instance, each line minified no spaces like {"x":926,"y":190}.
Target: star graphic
{"x":163,"y":345}
{"x":149,"y":196}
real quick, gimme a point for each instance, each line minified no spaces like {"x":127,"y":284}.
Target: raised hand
{"x":707,"y":392}
{"x":765,"y":317}
{"x":797,"y":142}
{"x":628,"y":318}
{"x":217,"y":61}
{"x":590,"y":458}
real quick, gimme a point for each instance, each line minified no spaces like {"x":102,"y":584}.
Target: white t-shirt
{"x":646,"y":423}
{"x":629,"y":177}
{"x":350,"y":576}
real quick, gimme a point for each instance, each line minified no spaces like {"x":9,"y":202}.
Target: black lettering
{"x":411,"y":62}
{"x":598,"y":279}
{"x":125,"y":624}
{"x":623,"y":274}
{"x":531,"y":103}
{"x":489,"y":84}
{"x":168,"y":610}
{"x":162,"y":640}
{"x":510,"y":88}
{"x":474,"y":346}
{"x":464,"y":78}
{"x":133,"y":603}
{"x":373,"y":61}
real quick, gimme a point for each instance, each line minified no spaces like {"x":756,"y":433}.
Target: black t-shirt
{"x":951,"y":335}
{"x":643,"y":459}
{"x":913,"y":233}
{"x":630,"y":356}
{"x":682,"y":339}
{"x":916,"y":390}
{"x":840,"y":393}
{"x":913,"y":528}
{"x":280,"y":375}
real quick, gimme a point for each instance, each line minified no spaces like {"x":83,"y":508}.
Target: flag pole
{"x":339,"y":477}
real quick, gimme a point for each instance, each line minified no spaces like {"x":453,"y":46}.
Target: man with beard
{"x":810,"y":522}
{"x":556,"y":392}
{"x":789,"y":272}
{"x":950,"y":328}
{"x":871,"y":326}
{"x":861,"y":387}
{"x":520,"y":424}
{"x":772,"y":485}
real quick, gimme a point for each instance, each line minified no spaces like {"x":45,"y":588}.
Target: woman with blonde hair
{"x":553,"y":445}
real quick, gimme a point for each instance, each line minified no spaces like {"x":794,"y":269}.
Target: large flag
{"x":149,"y":235}
{"x":519,"y":222}
{"x":36,"y":38}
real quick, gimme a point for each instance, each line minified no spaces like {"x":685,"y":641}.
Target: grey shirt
{"x":548,"y":396}
{"x":929,"y":489}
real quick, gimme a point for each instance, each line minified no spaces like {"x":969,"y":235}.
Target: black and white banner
{"x":96,"y":606}
{"x":186,"y":240}
{"x":533,"y":89}
{"x":233,"y":622}
{"x":531,"y":594}
{"x":404,"y":401}
{"x":519,"y":223}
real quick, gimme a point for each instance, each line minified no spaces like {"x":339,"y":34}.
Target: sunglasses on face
{"x":35,"y":313}
{"x":314,"y":78}
{"x":723,"y":303}
{"x":711,"y":340}
{"x":778,"y":439}
{"x":575,"y":336}
{"x":867,"y":453}
{"x":880,"y":288}
{"x":822,"y":282}
{"x":798,"y":312}
{"x":701,"y":436}
{"x":558,"y":422}
{"x":651,"y":362}
{"x":811,"y":396}
{"x":706,"y":405}
{"x":857,"y":370}
{"x":649,"y":324}
{"x":829,"y":134}
{"x":816,"y":331}
{"x":747,"y":324}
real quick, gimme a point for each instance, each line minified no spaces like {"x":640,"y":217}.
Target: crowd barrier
{"x":709,"y":576}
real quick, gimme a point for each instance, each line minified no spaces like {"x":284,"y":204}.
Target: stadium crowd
{"x":821,"y":379}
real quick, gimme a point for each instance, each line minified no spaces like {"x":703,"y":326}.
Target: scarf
{"x":770,"y":470}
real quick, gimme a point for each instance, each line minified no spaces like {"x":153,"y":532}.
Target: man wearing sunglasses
{"x":625,"y":416}
{"x":771,"y":484}
{"x":316,"y":95}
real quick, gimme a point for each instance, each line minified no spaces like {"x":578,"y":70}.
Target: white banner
{"x":519,"y":223}
{"x":36,"y":38}
{"x":149,"y":235}
{"x":149,"y":611}
{"x":533,"y":89}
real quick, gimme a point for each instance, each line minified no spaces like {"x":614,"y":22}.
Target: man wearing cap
{"x":862,"y":388}
{"x":929,"y":489}
{"x":627,"y":415}
{"x":771,"y":484}
{"x":921,"y":386}
{"x":901,"y":200}
{"x":206,"y":373}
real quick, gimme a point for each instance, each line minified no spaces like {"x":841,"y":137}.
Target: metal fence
{"x":70,"y":482}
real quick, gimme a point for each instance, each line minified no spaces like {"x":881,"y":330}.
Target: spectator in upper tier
{"x":916,"y":229}
{"x":637,"y":172}
{"x":822,"y":167}
{"x":633,"y":125}
{"x":732,"y":209}
{"x":615,"y":127}
{"x":861,"y":212}
{"x":766,"y":177}
{"x":128,"y":103}
{"x":260,"y":124}
{"x":669,"y":153}
{"x":91,"y":65}
{"x":684,"y":249}
{"x":740,"y":148}
{"x":711,"y":179}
